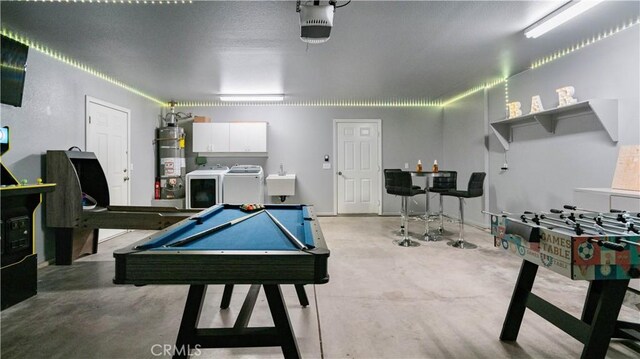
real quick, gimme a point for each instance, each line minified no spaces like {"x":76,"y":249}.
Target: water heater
{"x":171,"y":160}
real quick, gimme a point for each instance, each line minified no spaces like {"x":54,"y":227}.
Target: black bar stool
{"x":442,"y":184}
{"x":399,"y":183}
{"x":388,"y":181}
{"x":474,"y":189}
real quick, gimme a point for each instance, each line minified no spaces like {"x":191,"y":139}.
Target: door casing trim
{"x":335,"y":160}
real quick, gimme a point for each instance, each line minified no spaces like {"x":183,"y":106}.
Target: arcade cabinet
{"x":80,"y":206}
{"x":19,"y":201}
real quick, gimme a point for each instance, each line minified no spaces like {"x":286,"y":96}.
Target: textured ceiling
{"x":378,"y":50}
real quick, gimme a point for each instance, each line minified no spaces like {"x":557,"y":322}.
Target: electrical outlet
{"x":406,"y":165}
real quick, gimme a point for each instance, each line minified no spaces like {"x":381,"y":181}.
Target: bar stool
{"x":442,"y":184}
{"x":388,"y":181}
{"x":474,"y":189}
{"x":399,"y":183}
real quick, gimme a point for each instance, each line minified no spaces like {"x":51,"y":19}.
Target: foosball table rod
{"x":618,"y":223}
{"x":600,"y":217}
{"x":605,"y":222}
{"x":608,"y":244}
{"x":619,"y":214}
{"x":570,"y":226}
{"x":536,"y":221}
{"x":556,"y":223}
{"x":593,"y":225}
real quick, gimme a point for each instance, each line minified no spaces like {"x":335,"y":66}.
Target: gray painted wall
{"x":52,"y":117}
{"x":545,"y":168}
{"x":300,"y":137}
{"x":464,"y":151}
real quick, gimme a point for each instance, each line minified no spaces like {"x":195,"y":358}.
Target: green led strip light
{"x":471,"y":91}
{"x":546,"y":60}
{"x":398,"y":103}
{"x":506,"y":91}
{"x":316,"y":103}
{"x":584,"y":43}
{"x":71,"y":62}
{"x":506,"y":95}
{"x":11,"y":67}
{"x":132,"y":2}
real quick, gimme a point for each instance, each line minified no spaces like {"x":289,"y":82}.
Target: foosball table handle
{"x":615,"y":246}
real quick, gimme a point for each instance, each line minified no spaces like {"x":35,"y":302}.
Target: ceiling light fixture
{"x":559,"y":17}
{"x":251,"y":98}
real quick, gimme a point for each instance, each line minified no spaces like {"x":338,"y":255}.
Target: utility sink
{"x":281,"y":185}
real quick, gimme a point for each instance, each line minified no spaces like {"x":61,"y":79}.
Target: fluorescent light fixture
{"x":559,"y":17}
{"x":251,"y":98}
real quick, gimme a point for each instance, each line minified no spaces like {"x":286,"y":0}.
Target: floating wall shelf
{"x":606,"y":111}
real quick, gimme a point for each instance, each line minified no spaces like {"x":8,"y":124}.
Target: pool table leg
{"x":247,"y":307}
{"x":226,"y":296}
{"x":302,"y":295}
{"x":190,"y":317}
{"x":281,"y":321}
{"x":281,"y":334}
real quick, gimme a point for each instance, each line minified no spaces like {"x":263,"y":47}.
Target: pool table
{"x":257,"y":251}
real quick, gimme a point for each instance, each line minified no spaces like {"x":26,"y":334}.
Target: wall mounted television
{"x":12,"y":70}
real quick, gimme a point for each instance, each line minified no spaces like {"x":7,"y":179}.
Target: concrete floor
{"x":382,"y":301}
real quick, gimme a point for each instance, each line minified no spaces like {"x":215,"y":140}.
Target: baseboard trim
{"x":325,"y":214}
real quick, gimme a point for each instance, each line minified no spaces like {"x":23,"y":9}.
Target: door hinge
{"x":89,"y":119}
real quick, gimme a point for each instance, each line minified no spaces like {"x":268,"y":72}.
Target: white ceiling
{"x":377,"y":50}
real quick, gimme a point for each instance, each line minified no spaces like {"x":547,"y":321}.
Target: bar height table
{"x":428,"y":236}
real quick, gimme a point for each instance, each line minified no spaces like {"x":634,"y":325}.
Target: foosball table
{"x":602,"y":248}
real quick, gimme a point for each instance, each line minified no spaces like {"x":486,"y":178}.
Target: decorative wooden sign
{"x":627,"y":175}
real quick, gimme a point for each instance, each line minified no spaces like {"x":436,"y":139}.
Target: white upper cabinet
{"x":235,"y":138}
{"x":248,"y":137}
{"x":211,"y":137}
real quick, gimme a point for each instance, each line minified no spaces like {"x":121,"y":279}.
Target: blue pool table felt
{"x":256,"y":233}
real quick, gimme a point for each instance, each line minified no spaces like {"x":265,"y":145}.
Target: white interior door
{"x":358,"y":168}
{"x":108,"y":137}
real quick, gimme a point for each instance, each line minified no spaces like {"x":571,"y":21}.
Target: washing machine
{"x":244,"y":184}
{"x":205,"y":187}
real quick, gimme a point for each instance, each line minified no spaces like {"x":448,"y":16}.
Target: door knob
{"x":126,"y":178}
{"x":339,"y":173}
